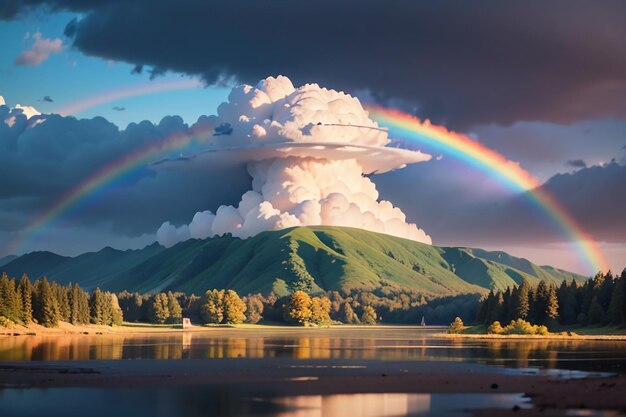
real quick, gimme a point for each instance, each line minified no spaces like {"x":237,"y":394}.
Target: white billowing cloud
{"x":201,"y":226}
{"x":322,"y":188}
{"x":40,"y":51}
{"x":28,"y":111}
{"x":21,"y":111}
{"x":169,"y":235}
{"x":276,"y":112}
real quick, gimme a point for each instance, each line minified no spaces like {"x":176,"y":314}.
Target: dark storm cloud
{"x":576,"y":163}
{"x":44,"y":157}
{"x":453,"y":214}
{"x":461,"y":63}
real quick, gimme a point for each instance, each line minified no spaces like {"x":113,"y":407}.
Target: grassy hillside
{"x":332,"y":257}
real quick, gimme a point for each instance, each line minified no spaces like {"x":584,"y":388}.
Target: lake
{"x":386,"y":343}
{"x":163,"y":363}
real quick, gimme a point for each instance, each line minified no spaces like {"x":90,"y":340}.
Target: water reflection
{"x":346,"y":344}
{"x":207,"y":401}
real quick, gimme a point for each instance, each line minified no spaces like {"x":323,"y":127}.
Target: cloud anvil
{"x":308,"y":150}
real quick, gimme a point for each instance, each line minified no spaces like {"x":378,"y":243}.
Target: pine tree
{"x":505,"y":314}
{"x":481,"y":313}
{"x":552,"y":306}
{"x":595,"y":314}
{"x":98,"y":307}
{"x":176,"y":312}
{"x":79,"y":306}
{"x":539,"y":306}
{"x":523,"y":302}
{"x":46,"y":306}
{"x":616,"y":306}
{"x":494,"y":308}
{"x":566,"y":296}
{"x":61,"y":296}
{"x":25,"y":293}
{"x":159,"y":308}
{"x":10,"y":305}
{"x":605,"y":290}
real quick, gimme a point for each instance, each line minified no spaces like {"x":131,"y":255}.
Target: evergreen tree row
{"x":599,"y":301}
{"x":48,"y":303}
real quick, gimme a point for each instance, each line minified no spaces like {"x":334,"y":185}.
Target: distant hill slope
{"x":5,"y":260}
{"x":334,"y":257}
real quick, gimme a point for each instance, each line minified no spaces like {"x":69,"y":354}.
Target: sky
{"x":542,"y":84}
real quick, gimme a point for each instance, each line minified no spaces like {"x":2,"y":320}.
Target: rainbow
{"x":105,"y":177}
{"x":129,"y":91}
{"x":497,"y":166}
{"x":400,"y":124}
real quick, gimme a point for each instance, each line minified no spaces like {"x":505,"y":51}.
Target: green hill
{"x":332,"y":258}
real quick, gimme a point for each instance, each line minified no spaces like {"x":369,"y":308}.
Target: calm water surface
{"x":382,"y":344}
{"x":202,"y":401}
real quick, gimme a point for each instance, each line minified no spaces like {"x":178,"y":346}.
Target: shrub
{"x":521,"y":326}
{"x":6,"y":323}
{"x":456,"y":326}
{"x":495,"y":328}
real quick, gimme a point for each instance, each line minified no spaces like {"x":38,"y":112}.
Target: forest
{"x":48,"y":303}
{"x":599,"y":301}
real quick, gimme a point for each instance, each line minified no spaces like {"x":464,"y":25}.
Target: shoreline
{"x":129,"y":329}
{"x":587,"y":337}
{"x":289,"y":377}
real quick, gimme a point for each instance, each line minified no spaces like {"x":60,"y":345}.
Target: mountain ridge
{"x":328,"y":258}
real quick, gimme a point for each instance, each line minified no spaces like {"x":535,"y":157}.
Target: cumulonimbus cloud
{"x":320,"y":183}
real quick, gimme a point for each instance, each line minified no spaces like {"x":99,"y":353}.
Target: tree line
{"x":598,"y":301}
{"x":47,"y":303}
{"x":51,"y":303}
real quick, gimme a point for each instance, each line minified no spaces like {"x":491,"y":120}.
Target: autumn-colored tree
{"x":117,"y":318}
{"x":299,"y":308}
{"x":320,"y":311}
{"x":495,"y":328}
{"x":159,"y":308}
{"x":368,"y":316}
{"x":234,"y":308}
{"x":212,"y":308}
{"x":347,"y":314}
{"x":176,"y":312}
{"x":254,"y":308}
{"x":456,"y":326}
